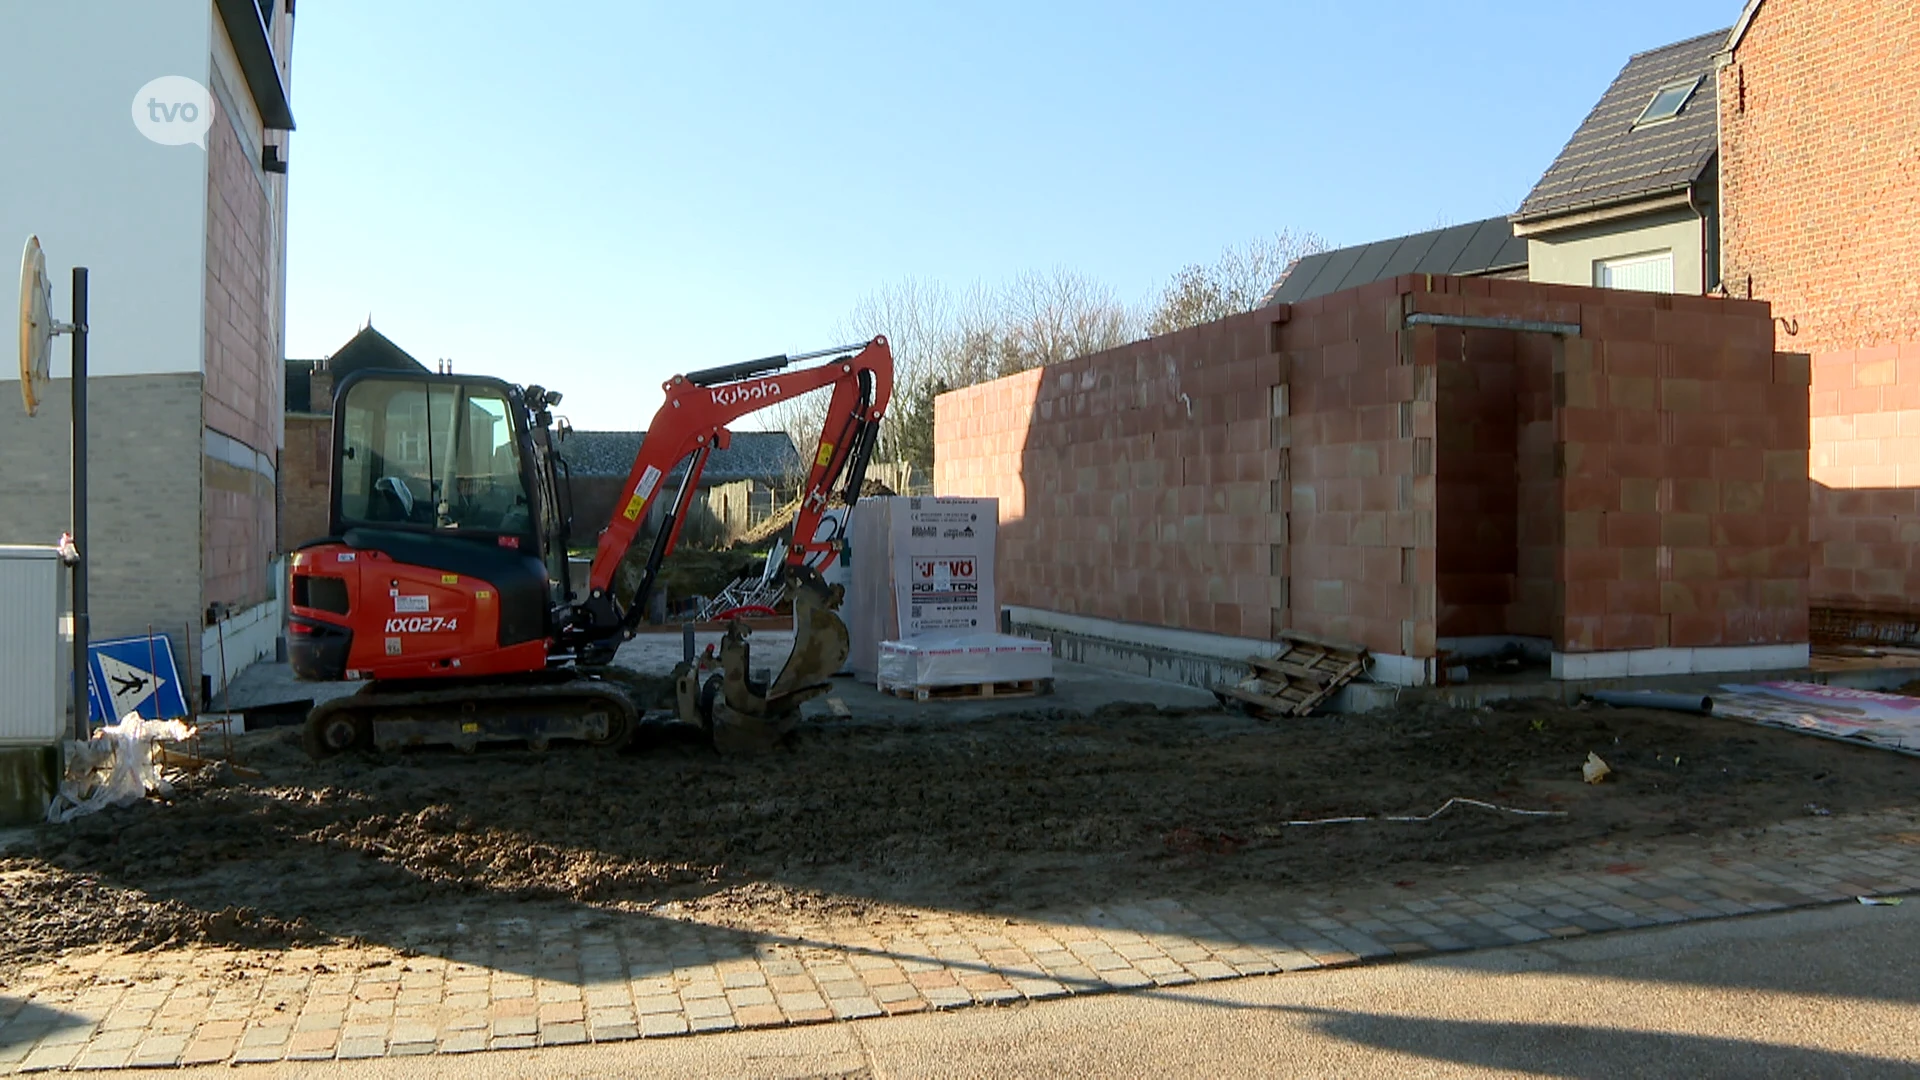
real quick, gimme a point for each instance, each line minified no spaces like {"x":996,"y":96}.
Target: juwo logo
{"x":944,"y":580}
{"x":174,"y":110}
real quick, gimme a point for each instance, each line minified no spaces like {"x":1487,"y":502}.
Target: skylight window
{"x":1668,"y":101}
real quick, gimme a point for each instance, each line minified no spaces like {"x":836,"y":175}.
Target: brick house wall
{"x":1332,"y":469}
{"x":305,"y":467}
{"x":1819,"y":125}
{"x":243,"y":370}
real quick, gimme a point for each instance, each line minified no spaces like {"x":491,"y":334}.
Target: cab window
{"x":430,"y":454}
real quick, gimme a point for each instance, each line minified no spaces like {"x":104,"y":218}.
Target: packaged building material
{"x":935,"y":660}
{"x":920,"y":566}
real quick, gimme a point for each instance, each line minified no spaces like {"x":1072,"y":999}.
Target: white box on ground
{"x":921,"y":566}
{"x":963,"y":660}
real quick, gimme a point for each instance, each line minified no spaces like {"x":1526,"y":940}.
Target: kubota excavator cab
{"x":446,"y":524}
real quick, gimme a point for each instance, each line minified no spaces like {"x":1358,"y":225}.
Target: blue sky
{"x":596,"y":195}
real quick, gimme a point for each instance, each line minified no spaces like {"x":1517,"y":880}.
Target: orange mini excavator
{"x":443,"y":579}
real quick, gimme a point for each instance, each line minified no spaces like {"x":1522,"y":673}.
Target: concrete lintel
{"x":1186,"y":656}
{"x":1476,"y":322}
{"x":1638,"y":662}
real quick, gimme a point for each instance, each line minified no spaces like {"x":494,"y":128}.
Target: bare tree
{"x":1233,"y":283}
{"x":1047,"y":318}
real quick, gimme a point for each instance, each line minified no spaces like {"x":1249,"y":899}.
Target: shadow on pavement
{"x":1567,"y":1050}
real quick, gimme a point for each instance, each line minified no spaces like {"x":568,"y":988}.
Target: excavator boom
{"x":692,"y":423}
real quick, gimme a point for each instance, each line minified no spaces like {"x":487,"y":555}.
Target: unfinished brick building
{"x":1616,"y":481}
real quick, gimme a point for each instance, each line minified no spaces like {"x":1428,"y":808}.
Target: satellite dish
{"x":36,"y":324}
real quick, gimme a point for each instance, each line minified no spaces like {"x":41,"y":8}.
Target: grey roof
{"x":1479,"y":247}
{"x":1608,"y":161}
{"x":367,"y":350}
{"x":753,"y":455}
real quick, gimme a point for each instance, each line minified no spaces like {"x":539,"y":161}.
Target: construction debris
{"x":1307,"y":671}
{"x":115,"y":767}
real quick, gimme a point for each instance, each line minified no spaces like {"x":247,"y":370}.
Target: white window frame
{"x":1604,"y":270}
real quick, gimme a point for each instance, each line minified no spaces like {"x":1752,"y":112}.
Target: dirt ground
{"x":1017,"y":815}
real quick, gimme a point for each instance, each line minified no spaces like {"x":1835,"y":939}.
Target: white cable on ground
{"x":1444,"y":807}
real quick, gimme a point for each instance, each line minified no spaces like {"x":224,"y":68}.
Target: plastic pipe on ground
{"x":1699,"y":704}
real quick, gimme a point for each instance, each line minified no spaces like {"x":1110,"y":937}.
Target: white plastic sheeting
{"x":114,"y":768}
{"x":963,"y":660}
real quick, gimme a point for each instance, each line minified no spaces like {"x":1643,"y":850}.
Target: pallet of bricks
{"x":1304,"y":675}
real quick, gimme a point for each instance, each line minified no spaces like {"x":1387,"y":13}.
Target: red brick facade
{"x":1332,"y":469}
{"x":243,"y":366}
{"x":1820,"y":215}
{"x":305,"y":468}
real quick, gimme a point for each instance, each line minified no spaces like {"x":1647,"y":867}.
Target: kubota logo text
{"x":732,"y":395}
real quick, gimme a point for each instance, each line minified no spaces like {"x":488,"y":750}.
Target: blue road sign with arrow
{"x":134,"y":674}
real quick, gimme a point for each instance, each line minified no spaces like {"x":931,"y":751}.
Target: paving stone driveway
{"x":591,"y":976}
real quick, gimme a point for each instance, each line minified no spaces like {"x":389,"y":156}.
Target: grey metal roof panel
{"x":1473,"y":248}
{"x":1490,"y":247}
{"x":1373,"y":259}
{"x":753,"y":455}
{"x":1333,"y":276}
{"x":1609,"y":161}
{"x":1409,"y":253}
{"x":1444,"y":253}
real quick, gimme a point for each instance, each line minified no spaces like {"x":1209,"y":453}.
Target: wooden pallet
{"x":1307,"y":672}
{"x":966,"y":691}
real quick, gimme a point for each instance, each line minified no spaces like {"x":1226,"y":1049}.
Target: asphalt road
{"x":1827,"y":992}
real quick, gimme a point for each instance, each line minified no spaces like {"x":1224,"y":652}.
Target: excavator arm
{"x":691,"y":424}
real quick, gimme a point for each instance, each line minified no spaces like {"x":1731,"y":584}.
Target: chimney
{"x":320,"y":392}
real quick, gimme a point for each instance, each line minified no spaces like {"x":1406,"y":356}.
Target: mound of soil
{"x":1012,"y":815}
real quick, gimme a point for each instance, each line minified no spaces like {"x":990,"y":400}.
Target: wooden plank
{"x":1288,"y":667}
{"x":1251,"y":698}
{"x":966,"y":691}
{"x":190,"y":761}
{"x":1346,"y":675}
{"x":1325,"y":643}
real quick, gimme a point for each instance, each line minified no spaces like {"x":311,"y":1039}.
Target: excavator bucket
{"x":746,"y":717}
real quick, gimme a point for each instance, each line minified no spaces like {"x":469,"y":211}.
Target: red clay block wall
{"x":1361,"y":490}
{"x":1820,"y":215}
{"x":1678,"y":451}
{"x":1134,"y":484}
{"x":1331,"y":469}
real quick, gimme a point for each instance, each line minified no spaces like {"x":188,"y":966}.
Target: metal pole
{"x":82,"y":720}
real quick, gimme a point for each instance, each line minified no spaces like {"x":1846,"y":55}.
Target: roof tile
{"x":1609,"y":161}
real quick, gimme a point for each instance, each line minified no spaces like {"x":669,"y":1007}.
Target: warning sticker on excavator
{"x":826,"y":455}
{"x":641,"y":492}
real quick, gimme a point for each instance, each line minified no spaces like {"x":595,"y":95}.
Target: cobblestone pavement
{"x":591,"y":976}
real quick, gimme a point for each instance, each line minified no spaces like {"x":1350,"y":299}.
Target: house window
{"x":1642,"y":273}
{"x":1668,"y":101}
